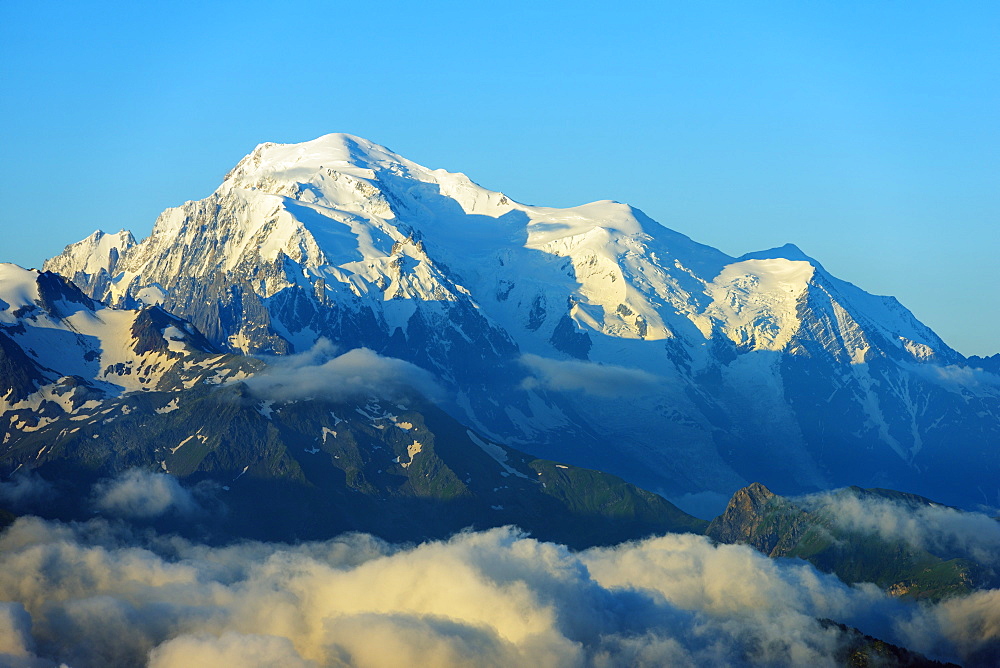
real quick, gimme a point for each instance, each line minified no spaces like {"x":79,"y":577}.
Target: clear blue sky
{"x":867,"y":133}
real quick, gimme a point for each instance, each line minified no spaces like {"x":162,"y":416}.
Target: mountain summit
{"x":591,"y":334}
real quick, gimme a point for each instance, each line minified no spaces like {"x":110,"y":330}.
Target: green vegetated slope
{"x":811,"y":530}
{"x":305,"y":469}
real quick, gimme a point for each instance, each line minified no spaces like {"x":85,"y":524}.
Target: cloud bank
{"x":601,"y":380}
{"x":319,"y":372}
{"x":930,"y":527}
{"x":84,"y":595}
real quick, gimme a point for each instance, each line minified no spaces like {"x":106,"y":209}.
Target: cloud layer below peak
{"x":600,"y":380}
{"x":85,"y":595}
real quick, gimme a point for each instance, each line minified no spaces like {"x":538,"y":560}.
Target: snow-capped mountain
{"x":62,"y":354}
{"x":592,"y":334}
{"x":60,"y":349}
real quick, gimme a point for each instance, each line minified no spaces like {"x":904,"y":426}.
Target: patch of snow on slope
{"x":19,"y":289}
{"x":170,"y":407}
{"x":411,"y":451}
{"x":496,"y":452}
{"x":175,"y":339}
{"x":402,"y":424}
{"x":150,"y":295}
{"x":187,"y":440}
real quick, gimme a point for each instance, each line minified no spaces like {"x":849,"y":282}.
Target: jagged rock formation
{"x":759,"y":518}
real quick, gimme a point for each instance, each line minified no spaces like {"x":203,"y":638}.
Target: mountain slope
{"x":314,"y":468}
{"x":60,"y":350}
{"x":92,"y":394}
{"x":590,"y":334}
{"x":816,"y":530}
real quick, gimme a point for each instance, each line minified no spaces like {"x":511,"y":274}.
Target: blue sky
{"x":867,"y":133}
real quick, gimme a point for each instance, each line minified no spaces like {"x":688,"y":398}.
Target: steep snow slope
{"x":846,"y":322}
{"x":89,"y":256}
{"x":537,"y":319}
{"x":60,"y":350}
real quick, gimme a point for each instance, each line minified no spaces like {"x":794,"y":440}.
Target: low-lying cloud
{"x":229,"y":649}
{"x":81,"y":594}
{"x":966,"y":628}
{"x":138,"y":494}
{"x":321,"y":373}
{"x":931,"y":527}
{"x":26,"y":490}
{"x":601,"y":380}
{"x":957,"y":377}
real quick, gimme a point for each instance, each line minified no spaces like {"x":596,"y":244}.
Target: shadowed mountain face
{"x":590,"y":334}
{"x":312,"y":469}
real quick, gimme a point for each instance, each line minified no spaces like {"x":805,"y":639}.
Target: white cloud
{"x":958,"y":378}
{"x":319,"y":372}
{"x":492,"y":598}
{"x":927,"y":527}
{"x":602,"y":380}
{"x":26,"y":489}
{"x":141,"y":494}
{"x":15,"y":631}
{"x":968,"y":627}
{"x":229,"y":649}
